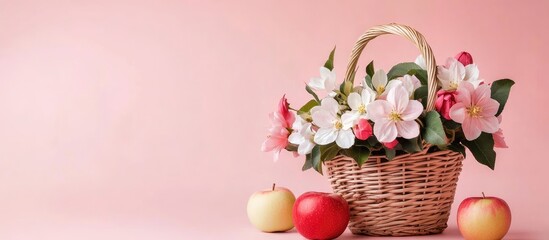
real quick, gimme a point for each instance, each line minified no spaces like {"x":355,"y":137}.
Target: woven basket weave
{"x":409,"y":195}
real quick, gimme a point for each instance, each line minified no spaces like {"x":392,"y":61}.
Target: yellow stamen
{"x":338,"y":125}
{"x":395,"y":117}
{"x":453,"y":85}
{"x":380,"y":90}
{"x":362,"y":109}
{"x":474,"y":111}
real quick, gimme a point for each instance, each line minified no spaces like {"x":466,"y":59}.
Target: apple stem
{"x":275,"y":184}
{"x":483,"y":196}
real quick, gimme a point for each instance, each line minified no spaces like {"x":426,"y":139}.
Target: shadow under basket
{"x":409,"y":195}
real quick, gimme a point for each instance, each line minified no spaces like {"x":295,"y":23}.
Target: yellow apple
{"x":270,"y":210}
{"x":483,"y":218}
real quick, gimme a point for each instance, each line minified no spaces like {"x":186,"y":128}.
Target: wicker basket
{"x":409,"y":195}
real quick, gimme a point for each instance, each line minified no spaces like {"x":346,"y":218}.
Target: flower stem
{"x":275,"y":184}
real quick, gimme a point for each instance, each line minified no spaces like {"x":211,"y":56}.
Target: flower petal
{"x":471,"y":72}
{"x":499,"y":139}
{"x":458,"y":113}
{"x":464,"y":94}
{"x":368,"y":96}
{"x":298,"y":123}
{"x":316,"y":83}
{"x":488,"y":124}
{"x":306,"y":131}
{"x":457,"y":71}
{"x":378,"y":110}
{"x":348,"y":119}
{"x":323,"y":118}
{"x":412,"y":111}
{"x":407,"y":129}
{"x":275,"y":140}
{"x":379,"y":79}
{"x":410,"y":83}
{"x":330,"y":82}
{"x":471,"y":128}
{"x":330,"y":104}
{"x":480,"y":95}
{"x":325,"y":136}
{"x":354,"y":100}
{"x":325,"y":72}
{"x":443,"y":75}
{"x":390,"y":85}
{"x":420,"y":61}
{"x":296,"y":138}
{"x":276,"y":154}
{"x":490,"y":108}
{"x":398,"y":97}
{"x":449,"y":62}
{"x":385,"y":130}
{"x":345,"y":138}
{"x":305,"y":147}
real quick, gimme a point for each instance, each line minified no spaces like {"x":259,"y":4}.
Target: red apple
{"x":483,"y":217}
{"x":320,"y":215}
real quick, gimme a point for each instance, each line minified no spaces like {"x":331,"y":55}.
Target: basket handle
{"x":412,"y":35}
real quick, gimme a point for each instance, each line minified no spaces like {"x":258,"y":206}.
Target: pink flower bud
{"x":363,"y":129}
{"x":445,"y":100}
{"x":391,"y":145}
{"x":464,"y":58}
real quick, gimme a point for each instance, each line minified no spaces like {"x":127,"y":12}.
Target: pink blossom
{"x":276,"y":141}
{"x":390,"y":145}
{"x":281,"y":121}
{"x":287,"y":117}
{"x":499,"y":140}
{"x":475,"y":110}
{"x":464,"y":58}
{"x":445,"y":100}
{"x":363,"y":129}
{"x":396,"y":116}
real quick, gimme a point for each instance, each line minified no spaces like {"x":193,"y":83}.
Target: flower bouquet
{"x":393,"y":143}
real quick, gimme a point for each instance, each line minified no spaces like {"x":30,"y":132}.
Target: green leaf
{"x":410,"y":145}
{"x":483,"y":149}
{"x":450,"y":124}
{"x":421,"y":95}
{"x":370,"y":69}
{"x":308,"y":163}
{"x":328,"y":152}
{"x":291,"y":147}
{"x":362,"y":143}
{"x":307,"y":107}
{"x":373,"y":141}
{"x":359,"y":154}
{"x":314,"y":158}
{"x":401,"y":69}
{"x":390,"y":153}
{"x":330,"y":62}
{"x":368,"y":81}
{"x":310,"y":91}
{"x":434,"y":131}
{"x":420,"y":74}
{"x":500,"y":92}
{"x":347,"y":87}
{"x":457,"y":147}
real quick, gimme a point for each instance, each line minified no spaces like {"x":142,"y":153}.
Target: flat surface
{"x":171,"y":230}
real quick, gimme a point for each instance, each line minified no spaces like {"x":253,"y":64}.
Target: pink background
{"x":144,"y":119}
